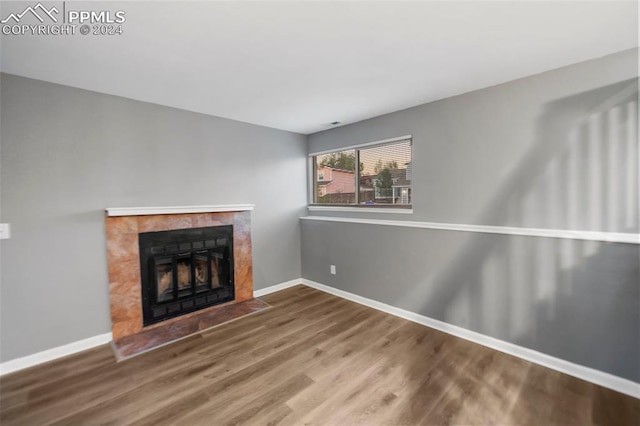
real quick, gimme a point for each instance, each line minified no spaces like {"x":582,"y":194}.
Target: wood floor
{"x":312,"y":359}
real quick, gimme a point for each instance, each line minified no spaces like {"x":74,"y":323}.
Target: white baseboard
{"x":91,"y":342}
{"x":53,"y":353}
{"x":585,"y":373}
{"x":277,"y":287}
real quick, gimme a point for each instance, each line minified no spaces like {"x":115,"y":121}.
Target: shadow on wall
{"x":562,"y":297}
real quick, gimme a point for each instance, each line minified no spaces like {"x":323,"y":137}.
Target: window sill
{"x":360,"y":209}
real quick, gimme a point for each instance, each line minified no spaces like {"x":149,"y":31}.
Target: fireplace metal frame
{"x":167,"y":247}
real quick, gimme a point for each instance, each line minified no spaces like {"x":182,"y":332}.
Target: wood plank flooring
{"x":312,"y":359}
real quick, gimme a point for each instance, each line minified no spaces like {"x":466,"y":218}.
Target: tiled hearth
{"x":130,"y":337}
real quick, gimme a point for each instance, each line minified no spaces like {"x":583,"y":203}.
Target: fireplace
{"x":185,"y":270}
{"x":171,"y":270}
{"x":123,"y":227}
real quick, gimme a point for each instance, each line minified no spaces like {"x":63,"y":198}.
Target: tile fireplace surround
{"x":130,"y":337}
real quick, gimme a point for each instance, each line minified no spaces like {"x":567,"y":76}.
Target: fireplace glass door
{"x":185,"y":270}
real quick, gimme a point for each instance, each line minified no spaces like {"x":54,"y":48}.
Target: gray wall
{"x":67,"y":154}
{"x":547,"y":151}
{"x":576,"y":300}
{"x":503,"y":155}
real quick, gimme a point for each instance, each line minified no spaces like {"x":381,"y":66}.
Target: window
{"x":382,"y":176}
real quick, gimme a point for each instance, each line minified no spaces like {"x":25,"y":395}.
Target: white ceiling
{"x":300,"y":65}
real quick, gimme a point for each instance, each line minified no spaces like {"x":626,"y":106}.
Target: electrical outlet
{"x":5,"y":231}
{"x":333,"y":269}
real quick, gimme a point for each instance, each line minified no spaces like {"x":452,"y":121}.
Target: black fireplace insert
{"x":185,"y":270}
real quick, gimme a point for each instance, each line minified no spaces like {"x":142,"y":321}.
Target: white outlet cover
{"x":5,"y":231}
{"x":333,"y":269}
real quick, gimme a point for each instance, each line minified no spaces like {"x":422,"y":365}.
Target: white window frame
{"x":360,"y":207}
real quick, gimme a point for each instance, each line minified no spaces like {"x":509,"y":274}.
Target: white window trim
{"x":343,"y":208}
{"x":364,"y":209}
